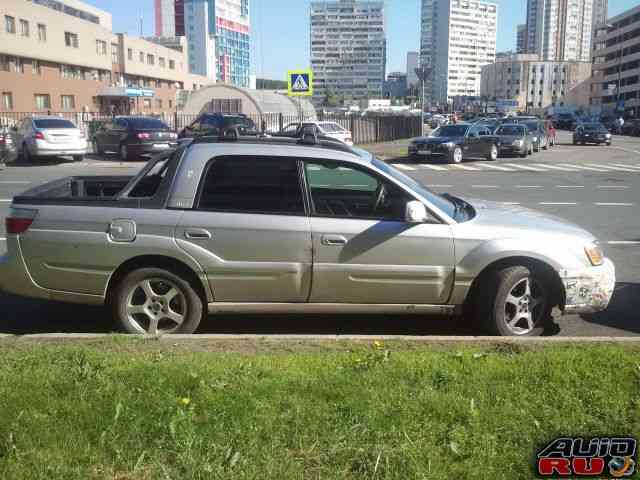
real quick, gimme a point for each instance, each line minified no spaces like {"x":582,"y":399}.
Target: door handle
{"x":334,"y":240}
{"x":197,"y":234}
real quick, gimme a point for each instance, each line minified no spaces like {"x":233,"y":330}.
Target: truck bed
{"x":75,"y":189}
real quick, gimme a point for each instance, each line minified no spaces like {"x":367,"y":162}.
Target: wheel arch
{"x":158,"y":261}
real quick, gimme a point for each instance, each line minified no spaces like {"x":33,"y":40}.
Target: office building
{"x":218,"y":34}
{"x":616,"y":64}
{"x":348,"y":49}
{"x":536,"y":85}
{"x":521,"y":39}
{"x":395,"y":86}
{"x":413,"y":63}
{"x":561,"y":30}
{"x":69,"y":59}
{"x":458,"y":37}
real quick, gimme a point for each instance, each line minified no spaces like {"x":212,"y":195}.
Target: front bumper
{"x":589,"y":290}
{"x":512,"y":149}
{"x":426,"y":152}
{"x":63,"y":152}
{"x":140,"y":149}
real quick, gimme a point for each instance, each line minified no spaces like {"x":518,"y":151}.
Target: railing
{"x":368,"y":129}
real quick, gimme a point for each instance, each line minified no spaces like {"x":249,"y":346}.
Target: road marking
{"x":434,"y":167}
{"x":605,"y":168}
{"x":14,"y":182}
{"x":495,"y":167}
{"x":464,"y":167}
{"x":529,"y":186}
{"x":616,"y":168}
{"x":5,"y":200}
{"x":439,"y":186}
{"x":623,"y":242}
{"x":557,"y":203}
{"x":616,"y":187}
{"x":635,"y":168}
{"x":607,"y":204}
{"x":556,"y":167}
{"x":569,"y":186}
{"x":627,"y":150}
{"x":485,"y":186}
{"x":585,"y":167}
{"x":510,"y":203}
{"x":524,"y":167}
{"x":403,"y":167}
{"x":2,"y":239}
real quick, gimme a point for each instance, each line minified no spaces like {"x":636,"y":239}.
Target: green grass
{"x":127,"y":409}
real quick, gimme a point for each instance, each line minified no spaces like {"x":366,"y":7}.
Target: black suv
{"x":591,"y":133}
{"x":213,"y":124}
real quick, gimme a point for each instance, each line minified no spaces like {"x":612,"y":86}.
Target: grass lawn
{"x":133,"y":409}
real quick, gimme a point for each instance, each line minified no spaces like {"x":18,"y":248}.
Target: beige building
{"x":53,"y":60}
{"x":536,"y":85}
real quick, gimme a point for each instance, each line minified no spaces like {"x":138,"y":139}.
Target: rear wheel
{"x":78,"y":158}
{"x":493,"y":153}
{"x":456,"y":155}
{"x":524,"y":153}
{"x":515,"y":301}
{"x":155,"y":301}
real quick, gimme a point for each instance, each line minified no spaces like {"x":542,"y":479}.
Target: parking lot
{"x":596,"y":187}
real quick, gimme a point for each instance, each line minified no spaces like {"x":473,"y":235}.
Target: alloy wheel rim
{"x":494,"y":153}
{"x":457,"y":155}
{"x":524,"y":306}
{"x":156,"y":306}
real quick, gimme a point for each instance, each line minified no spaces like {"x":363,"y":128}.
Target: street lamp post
{"x":423,"y":72}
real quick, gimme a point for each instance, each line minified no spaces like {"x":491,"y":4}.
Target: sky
{"x":280,"y":29}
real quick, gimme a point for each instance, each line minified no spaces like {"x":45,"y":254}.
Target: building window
{"x":36,"y":67}
{"x":150,"y":59}
{"x":130,"y":54}
{"x":9,"y":24}
{"x":141,"y":57}
{"x":43,"y":101}
{"x":24,"y":28}
{"x":115,"y":53}
{"x":42,"y":32}
{"x":101,"y":47}
{"x":158,"y":103}
{"x":71,"y":39}
{"x":172,"y":65}
{"x":7,"y":101}
{"x":170,"y":104}
{"x":18,"y":65}
{"x":147,"y":103}
{"x":68,"y":102}
{"x":161,"y":62}
{"x":69,"y":72}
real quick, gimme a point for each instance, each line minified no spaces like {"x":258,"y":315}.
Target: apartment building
{"x":535,"y":84}
{"x":348,"y":49}
{"x":521,"y":39}
{"x":561,"y":30}
{"x":616,"y":79}
{"x":218,"y":34}
{"x":458,"y":37}
{"x":68,"y":59}
{"x":413,"y":63}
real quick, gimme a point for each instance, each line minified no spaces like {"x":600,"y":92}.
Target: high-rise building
{"x":413,"y":62}
{"x":458,"y":37}
{"x":600,"y":13}
{"x":165,"y":16}
{"x":348,"y":49}
{"x":561,"y":30}
{"x":218,"y":37}
{"x":521,"y":39}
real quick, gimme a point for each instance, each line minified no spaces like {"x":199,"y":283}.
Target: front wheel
{"x":78,"y":158}
{"x":515,"y":301}
{"x":493,"y":153}
{"x":155,"y":301}
{"x":456,"y":155}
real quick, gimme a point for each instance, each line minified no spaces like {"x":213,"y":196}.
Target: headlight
{"x":517,"y":143}
{"x":594,"y":254}
{"x":535,"y":139}
{"x":608,"y":135}
{"x":449,"y":144}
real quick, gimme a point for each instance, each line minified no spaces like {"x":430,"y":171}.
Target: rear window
{"x":242,"y":121}
{"x":510,"y":130}
{"x":53,"y":123}
{"x":150,"y":123}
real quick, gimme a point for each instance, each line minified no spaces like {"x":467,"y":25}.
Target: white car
{"x":329,"y":129}
{"x":46,"y":136}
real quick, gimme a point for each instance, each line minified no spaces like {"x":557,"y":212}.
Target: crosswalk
{"x":516,"y":167}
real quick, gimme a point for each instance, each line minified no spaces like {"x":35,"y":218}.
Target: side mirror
{"x":416,"y":212}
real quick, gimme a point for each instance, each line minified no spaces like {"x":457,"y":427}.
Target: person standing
{"x":620,"y":125}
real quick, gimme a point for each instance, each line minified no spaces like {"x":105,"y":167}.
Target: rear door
{"x":364,"y":251}
{"x":472,"y":143}
{"x":249,"y":230}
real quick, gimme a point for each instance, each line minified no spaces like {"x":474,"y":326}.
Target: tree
{"x":332,"y":100}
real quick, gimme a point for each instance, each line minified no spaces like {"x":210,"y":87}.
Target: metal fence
{"x":367,"y":129}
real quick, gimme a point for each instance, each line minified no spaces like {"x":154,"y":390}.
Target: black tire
{"x":491,"y":301}
{"x":493,"y":154}
{"x":78,"y":158}
{"x":123,"y":151}
{"x":190,"y":301}
{"x":97,"y":148}
{"x":608,"y":144}
{"x":524,"y":154}
{"x":456,"y":153}
{"x":575,"y":142}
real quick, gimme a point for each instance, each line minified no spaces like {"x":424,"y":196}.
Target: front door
{"x":249,"y":231}
{"x":364,"y":251}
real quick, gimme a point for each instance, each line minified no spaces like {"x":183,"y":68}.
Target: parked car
{"x":491,"y":123}
{"x":211,"y":124}
{"x":277,"y":225}
{"x":134,"y":137}
{"x":325,"y":128}
{"x":565,"y":121}
{"x":591,"y":133}
{"x":7,"y":147}
{"x":538,"y":132}
{"x":455,"y":143}
{"x":631,"y":127}
{"x":514,"y":139}
{"x":439,"y":120}
{"x":48,"y":136}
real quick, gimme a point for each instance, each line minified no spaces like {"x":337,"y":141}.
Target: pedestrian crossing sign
{"x":300,"y":83}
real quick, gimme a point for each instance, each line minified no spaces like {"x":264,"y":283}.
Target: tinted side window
{"x":252,"y":184}
{"x":345,"y":192}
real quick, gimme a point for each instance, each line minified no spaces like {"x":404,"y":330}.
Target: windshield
{"x":440,"y":202}
{"x":510,"y":130}
{"x":451,"y":131}
{"x":53,"y":123}
{"x":593,"y":127}
{"x":532,"y":126}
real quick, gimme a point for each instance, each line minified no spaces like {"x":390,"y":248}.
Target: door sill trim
{"x":339,"y":308}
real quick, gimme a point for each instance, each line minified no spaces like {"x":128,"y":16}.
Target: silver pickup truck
{"x":256,"y":225}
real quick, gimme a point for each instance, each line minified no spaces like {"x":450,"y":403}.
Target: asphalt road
{"x":596,"y":187}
